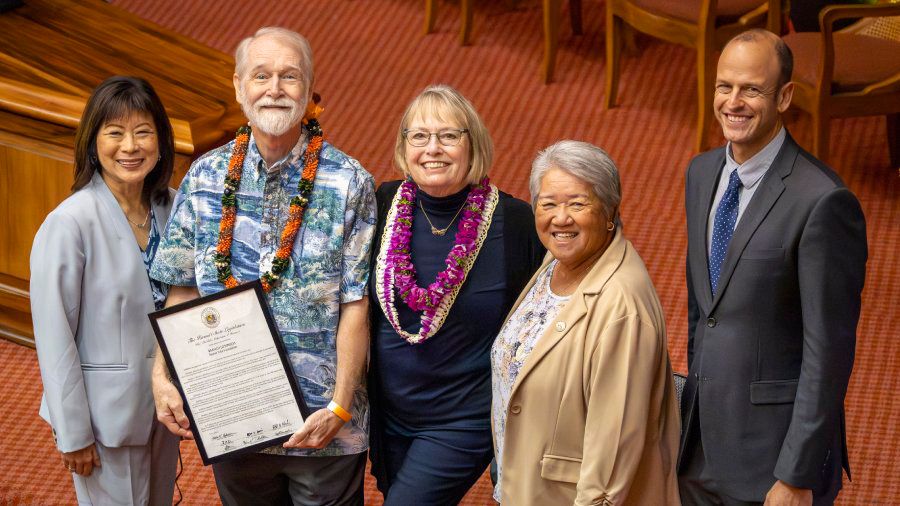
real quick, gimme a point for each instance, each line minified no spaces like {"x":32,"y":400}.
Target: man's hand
{"x":318,"y":430}
{"x":782,"y":494}
{"x":82,"y":461}
{"x":169,"y":408}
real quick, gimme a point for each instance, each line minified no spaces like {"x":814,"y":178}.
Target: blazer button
{"x":560,"y":326}
{"x":515,"y":409}
{"x":711,"y":322}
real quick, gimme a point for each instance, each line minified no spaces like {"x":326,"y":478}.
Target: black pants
{"x":281,"y":480}
{"x":435,"y":466}
{"x":696,"y":487}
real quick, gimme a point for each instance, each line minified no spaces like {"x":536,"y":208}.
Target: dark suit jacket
{"x":770,"y":355}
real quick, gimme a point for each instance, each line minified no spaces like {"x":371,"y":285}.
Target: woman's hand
{"x":82,"y":461}
{"x":318,"y":430}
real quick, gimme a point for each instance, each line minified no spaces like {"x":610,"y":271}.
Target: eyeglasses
{"x":449,"y":137}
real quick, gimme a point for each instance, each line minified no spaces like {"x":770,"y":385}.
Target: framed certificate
{"x":229,"y":364}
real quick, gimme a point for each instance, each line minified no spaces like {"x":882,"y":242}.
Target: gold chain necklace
{"x":440,"y":231}
{"x":141,"y":225}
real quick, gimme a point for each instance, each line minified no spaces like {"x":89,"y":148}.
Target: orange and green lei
{"x":222,"y":256}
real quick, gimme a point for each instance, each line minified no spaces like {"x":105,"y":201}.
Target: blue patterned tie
{"x":723,"y":228}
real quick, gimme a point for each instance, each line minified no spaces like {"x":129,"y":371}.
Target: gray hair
{"x":586,"y":162}
{"x":290,"y":38}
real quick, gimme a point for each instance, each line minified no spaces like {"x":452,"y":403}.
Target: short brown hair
{"x":118,"y":97}
{"x":447,"y":104}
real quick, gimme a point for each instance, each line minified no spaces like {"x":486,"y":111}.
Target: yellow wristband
{"x":341,"y":413}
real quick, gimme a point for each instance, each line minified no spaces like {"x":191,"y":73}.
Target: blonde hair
{"x":446,"y":104}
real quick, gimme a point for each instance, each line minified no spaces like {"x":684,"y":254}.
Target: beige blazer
{"x":592,"y":417}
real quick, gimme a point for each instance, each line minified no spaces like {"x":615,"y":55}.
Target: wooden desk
{"x":52,"y":54}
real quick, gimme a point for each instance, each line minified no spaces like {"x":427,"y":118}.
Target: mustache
{"x":271,"y":102}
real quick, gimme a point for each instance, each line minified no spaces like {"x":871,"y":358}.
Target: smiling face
{"x":272,"y":93}
{"x":570,"y":220}
{"x":127,"y":149}
{"x":437,"y":169}
{"x":748,"y":102}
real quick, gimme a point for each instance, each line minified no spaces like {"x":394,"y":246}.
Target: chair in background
{"x":851,"y":72}
{"x":551,"y":10}
{"x":465,"y":28}
{"x":704,"y":25}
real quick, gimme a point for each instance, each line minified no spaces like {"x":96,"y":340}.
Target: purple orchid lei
{"x":400,"y":274}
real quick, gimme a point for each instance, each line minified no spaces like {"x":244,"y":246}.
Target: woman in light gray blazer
{"x":90,"y":295}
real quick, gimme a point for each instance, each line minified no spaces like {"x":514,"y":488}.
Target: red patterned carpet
{"x":371,"y":59}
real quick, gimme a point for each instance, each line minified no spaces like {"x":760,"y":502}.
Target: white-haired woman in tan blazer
{"x":584,"y":408}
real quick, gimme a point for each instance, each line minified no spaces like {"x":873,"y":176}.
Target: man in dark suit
{"x":775,"y":269}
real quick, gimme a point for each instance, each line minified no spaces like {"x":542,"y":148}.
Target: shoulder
{"x":69,"y":219}
{"x":387,"y":190}
{"x":518,"y":219}
{"x":708,"y":157}
{"x":629,"y":291}
{"x":813,"y":189}
{"x":812,"y":176}
{"x":333,"y":159}
{"x":77,"y":207}
{"x":514,"y":207}
{"x":212,"y":156}
{"x":209,"y":165}
{"x":706,"y":161}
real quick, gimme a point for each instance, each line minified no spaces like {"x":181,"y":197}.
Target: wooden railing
{"x":52,"y":54}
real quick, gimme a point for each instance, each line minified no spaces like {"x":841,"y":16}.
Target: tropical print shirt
{"x":329,"y":263}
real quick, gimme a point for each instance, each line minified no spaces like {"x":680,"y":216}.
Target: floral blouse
{"x":511,"y":349}
{"x":159,"y":289}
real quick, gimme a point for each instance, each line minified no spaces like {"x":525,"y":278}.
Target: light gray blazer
{"x":90,"y":296}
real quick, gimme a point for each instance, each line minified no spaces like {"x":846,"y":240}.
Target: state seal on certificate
{"x":228,"y":361}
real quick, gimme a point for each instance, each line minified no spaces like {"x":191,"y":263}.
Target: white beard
{"x":273,"y":122}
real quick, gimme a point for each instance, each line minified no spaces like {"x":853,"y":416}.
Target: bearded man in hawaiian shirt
{"x":318,"y":302}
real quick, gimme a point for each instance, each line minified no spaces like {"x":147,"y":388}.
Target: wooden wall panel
{"x":42,"y":95}
{"x":35,"y":177}
{"x":31,"y":185}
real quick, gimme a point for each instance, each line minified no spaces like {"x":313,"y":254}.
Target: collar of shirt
{"x":255,"y":161}
{"x":752,"y":170}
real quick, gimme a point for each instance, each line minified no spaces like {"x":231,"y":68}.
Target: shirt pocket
{"x":560,"y":468}
{"x":104,"y":367}
{"x":773,"y":391}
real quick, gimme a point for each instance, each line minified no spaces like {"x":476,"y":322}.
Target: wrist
{"x":339,"y":412}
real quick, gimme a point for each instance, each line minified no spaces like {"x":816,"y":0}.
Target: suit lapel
{"x":771,"y":187}
{"x":708,"y":178}
{"x":576,"y":309}
{"x":130,"y":253}
{"x":115,"y":217}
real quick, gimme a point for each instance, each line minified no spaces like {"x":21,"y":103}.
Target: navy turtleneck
{"x":447,"y":378}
